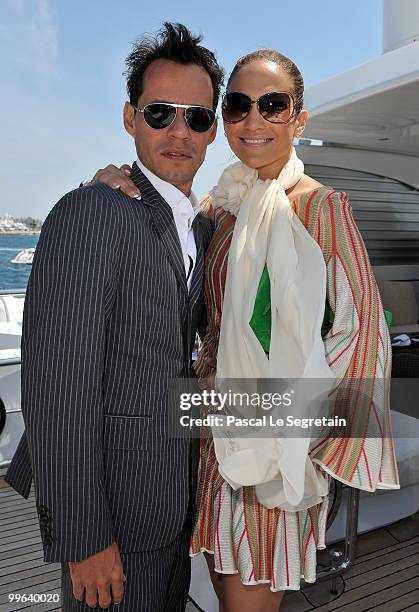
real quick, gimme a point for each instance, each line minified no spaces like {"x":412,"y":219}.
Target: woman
{"x":283,"y":242}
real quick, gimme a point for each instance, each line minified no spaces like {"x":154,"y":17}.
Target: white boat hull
{"x":24,"y":257}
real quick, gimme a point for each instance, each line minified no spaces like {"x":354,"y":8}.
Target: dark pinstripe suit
{"x":108,"y":322}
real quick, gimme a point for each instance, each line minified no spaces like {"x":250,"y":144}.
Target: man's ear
{"x":129,"y":118}
{"x":213,"y":131}
{"x":300,"y":123}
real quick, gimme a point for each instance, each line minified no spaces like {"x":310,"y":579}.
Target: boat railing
{"x":12,"y":291}
{"x":342,"y":561}
{"x":8,"y":361}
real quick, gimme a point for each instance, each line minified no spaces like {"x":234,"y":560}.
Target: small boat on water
{"x":24,"y":257}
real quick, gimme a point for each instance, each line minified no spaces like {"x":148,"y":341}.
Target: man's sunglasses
{"x":159,"y":115}
{"x":275,"y":107}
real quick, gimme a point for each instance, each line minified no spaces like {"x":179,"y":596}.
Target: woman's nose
{"x":254,"y":118}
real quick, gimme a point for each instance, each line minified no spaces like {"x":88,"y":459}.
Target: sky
{"x":63,"y":89}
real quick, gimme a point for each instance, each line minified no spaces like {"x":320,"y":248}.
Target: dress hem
{"x":257,"y":582}
{"x":354,"y":485}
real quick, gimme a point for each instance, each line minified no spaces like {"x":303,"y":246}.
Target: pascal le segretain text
{"x":216,"y":420}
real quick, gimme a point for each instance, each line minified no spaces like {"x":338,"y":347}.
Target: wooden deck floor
{"x":22,"y":569}
{"x":385,"y":577}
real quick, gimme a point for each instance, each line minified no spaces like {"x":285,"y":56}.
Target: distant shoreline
{"x":19,"y":233}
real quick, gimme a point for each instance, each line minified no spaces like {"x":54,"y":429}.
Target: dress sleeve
{"x":358,"y":350}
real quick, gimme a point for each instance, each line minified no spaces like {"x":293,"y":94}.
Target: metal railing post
{"x":341,"y":562}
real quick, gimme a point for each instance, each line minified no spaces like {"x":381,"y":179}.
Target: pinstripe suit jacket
{"x":108,"y":322}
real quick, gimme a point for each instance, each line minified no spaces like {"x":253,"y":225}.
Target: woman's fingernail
{"x":137,"y":197}
{"x":116,"y":186}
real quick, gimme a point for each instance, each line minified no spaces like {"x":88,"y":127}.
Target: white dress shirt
{"x":184,"y":212}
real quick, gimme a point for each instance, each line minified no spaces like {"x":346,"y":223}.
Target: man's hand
{"x":99,"y":575}
{"x":117,"y":178}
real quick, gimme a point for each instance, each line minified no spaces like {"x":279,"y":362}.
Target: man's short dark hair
{"x":174,"y":42}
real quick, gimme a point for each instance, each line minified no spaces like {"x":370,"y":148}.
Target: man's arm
{"x":69,"y":297}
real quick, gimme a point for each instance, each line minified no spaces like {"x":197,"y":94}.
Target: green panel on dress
{"x":261,"y":320}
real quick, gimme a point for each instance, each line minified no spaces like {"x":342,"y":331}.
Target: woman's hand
{"x":117,"y":178}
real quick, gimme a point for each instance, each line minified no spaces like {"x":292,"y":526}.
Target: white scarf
{"x":268,"y":232}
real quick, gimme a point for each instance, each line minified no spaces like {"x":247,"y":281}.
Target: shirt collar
{"x":173,"y":196}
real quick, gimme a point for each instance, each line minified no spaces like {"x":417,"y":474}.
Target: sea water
{"x":14,"y":276}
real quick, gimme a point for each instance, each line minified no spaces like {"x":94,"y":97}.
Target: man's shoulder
{"x":99,"y":199}
{"x":98,"y":193}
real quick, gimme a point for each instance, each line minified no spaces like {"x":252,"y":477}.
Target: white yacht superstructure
{"x":364,"y":124}
{"x":11,"y":421}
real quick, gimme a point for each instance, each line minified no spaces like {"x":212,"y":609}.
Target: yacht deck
{"x":384,"y":578}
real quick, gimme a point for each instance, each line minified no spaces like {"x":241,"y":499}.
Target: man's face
{"x":176,"y":152}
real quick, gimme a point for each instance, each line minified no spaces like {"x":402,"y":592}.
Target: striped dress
{"x":275,"y":547}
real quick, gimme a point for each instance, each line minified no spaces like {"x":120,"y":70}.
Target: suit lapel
{"x":197,"y":277}
{"x":163,"y":222}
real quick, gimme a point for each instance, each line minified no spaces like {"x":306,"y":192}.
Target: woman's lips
{"x":255,"y":142}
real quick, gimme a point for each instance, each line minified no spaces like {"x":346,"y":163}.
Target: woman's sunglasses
{"x":159,"y":115}
{"x":275,"y":107}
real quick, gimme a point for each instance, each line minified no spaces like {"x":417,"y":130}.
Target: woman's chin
{"x":252,"y":161}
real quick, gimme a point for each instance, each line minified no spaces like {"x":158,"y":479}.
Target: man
{"x":113,"y":304}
